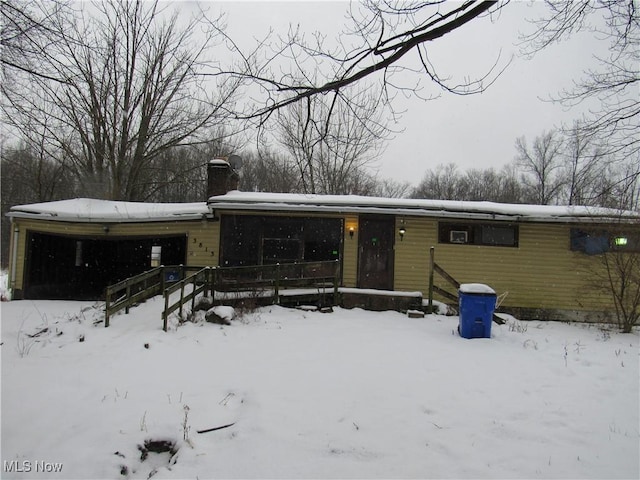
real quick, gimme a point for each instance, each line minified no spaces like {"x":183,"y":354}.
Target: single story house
{"x":542,"y":260}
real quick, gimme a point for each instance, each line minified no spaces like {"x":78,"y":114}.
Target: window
{"x":257,"y":240}
{"x":493,"y":234}
{"x":594,"y":242}
{"x":498,"y":235}
{"x":591,"y":243}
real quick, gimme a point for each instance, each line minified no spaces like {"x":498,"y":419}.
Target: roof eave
{"x":417,"y":211}
{"x":111,"y":220}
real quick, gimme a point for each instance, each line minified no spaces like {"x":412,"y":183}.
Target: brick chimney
{"x":221,"y":177}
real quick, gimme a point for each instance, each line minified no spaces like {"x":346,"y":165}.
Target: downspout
{"x":14,"y":256}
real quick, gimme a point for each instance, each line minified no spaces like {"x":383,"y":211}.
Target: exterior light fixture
{"x":620,"y":241}
{"x":105,"y":228}
{"x":352,"y":230}
{"x":403,"y":228}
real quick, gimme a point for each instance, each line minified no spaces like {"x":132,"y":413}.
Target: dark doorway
{"x":375,"y":262}
{"x":79,"y":268}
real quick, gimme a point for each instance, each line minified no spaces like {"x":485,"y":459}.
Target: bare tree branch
{"x":385,"y":32}
{"x":613,"y":85}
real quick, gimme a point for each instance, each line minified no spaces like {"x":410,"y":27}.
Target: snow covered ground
{"x":348,"y":394}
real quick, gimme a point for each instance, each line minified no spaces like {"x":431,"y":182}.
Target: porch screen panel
{"x":322,"y":238}
{"x":240,"y":240}
{"x":257,"y":240}
{"x":281,"y":240}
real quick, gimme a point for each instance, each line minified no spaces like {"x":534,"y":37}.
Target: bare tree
{"x":447,"y":183}
{"x":511,"y":189}
{"x":130,"y":92}
{"x":439,"y":184}
{"x":389,"y":188}
{"x":615,"y":120}
{"x":541,"y":166}
{"x":378,"y":39}
{"x":619,"y":187}
{"x":266,"y":171}
{"x":617,"y":274}
{"x":584,"y":169}
{"x":28,"y":176}
{"x":331,"y":140}
{"x":623,"y":276}
{"x":179,"y":174}
{"x":477,"y":184}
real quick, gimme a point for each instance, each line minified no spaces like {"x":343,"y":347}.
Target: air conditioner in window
{"x":458,"y":236}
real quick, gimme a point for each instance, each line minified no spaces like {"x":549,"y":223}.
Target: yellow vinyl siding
{"x":350,"y":251}
{"x":541,"y":272}
{"x":203,"y":244}
{"x":411,"y":265}
{"x":522,"y":273}
{"x":198,"y":252}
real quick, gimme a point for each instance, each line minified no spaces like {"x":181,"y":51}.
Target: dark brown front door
{"x":376,"y":252}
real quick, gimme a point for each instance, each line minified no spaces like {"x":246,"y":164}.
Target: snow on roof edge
{"x":94,"y":210}
{"x":256,"y":201}
{"x":108,"y":211}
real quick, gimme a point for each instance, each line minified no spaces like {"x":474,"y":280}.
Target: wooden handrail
{"x":124,"y":294}
{"x":180,"y":285}
{"x":132,"y":290}
{"x":434,"y":288}
{"x":274,"y":276}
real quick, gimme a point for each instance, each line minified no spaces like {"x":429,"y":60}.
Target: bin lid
{"x":477,"y":288}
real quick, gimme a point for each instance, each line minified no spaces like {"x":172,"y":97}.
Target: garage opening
{"x":79,"y":268}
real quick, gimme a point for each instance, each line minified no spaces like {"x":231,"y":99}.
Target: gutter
{"x":418,"y":212}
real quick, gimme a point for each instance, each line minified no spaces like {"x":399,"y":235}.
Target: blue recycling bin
{"x":476,"y":303}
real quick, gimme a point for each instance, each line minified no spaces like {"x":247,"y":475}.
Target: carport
{"x":80,"y":267}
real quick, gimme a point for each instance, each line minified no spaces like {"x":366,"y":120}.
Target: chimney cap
{"x":219,"y":161}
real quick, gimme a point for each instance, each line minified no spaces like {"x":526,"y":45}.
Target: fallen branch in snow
{"x":225,"y":400}
{"x":38,"y":333}
{"x":216,"y":428}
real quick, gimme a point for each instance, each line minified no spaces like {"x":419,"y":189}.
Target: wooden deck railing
{"x":136,"y":289}
{"x":251,"y":279}
{"x":168,"y":280}
{"x":124,"y":294}
{"x":201,"y":283}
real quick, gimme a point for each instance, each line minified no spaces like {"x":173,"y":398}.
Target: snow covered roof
{"x":93,"y":210}
{"x":260,"y":201}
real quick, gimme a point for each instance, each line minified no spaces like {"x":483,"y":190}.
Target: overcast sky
{"x":477,"y":131}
